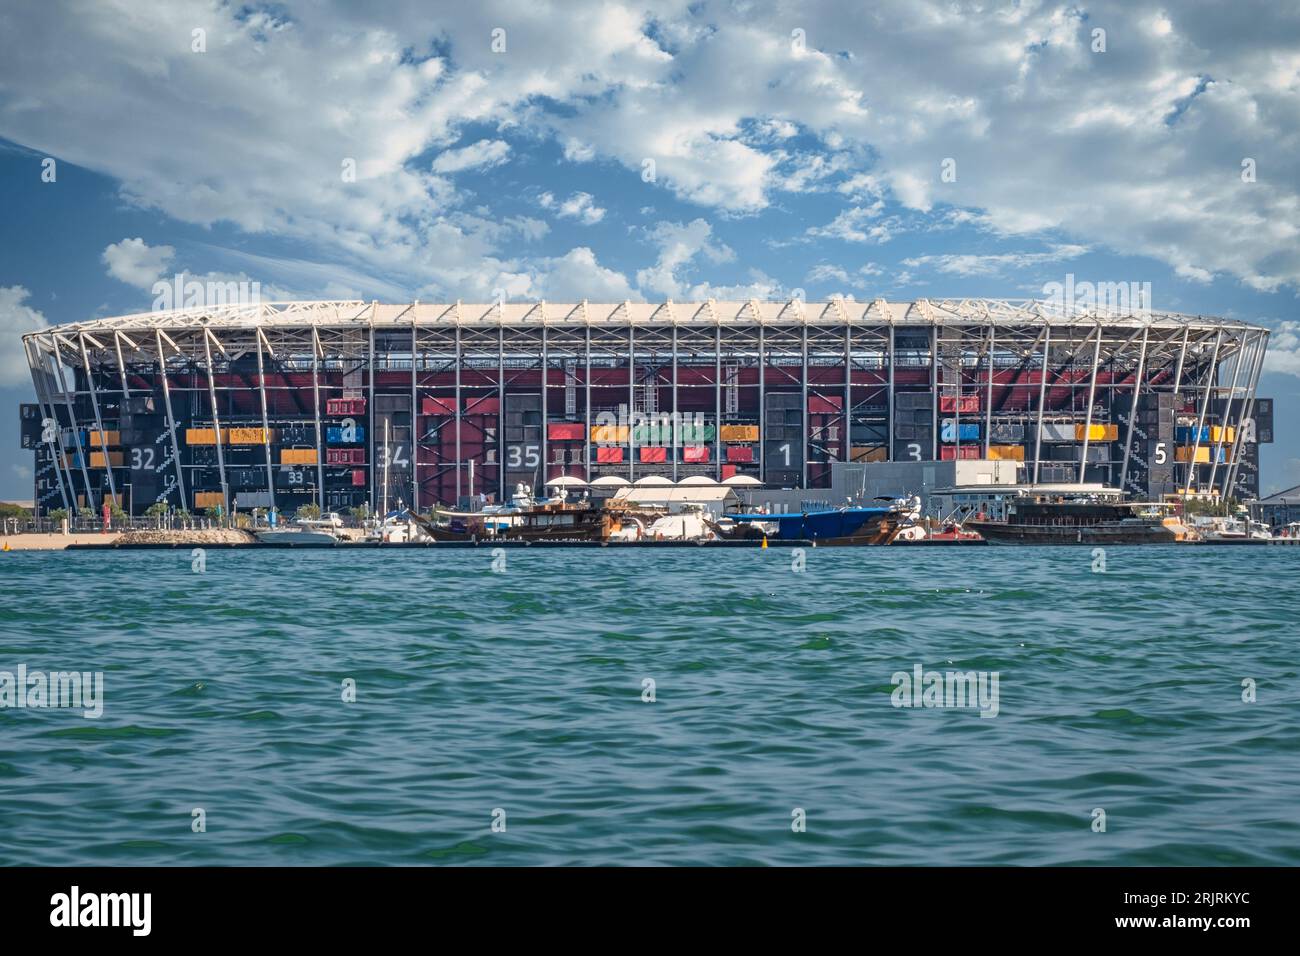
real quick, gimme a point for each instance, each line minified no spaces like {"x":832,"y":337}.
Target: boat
{"x":524,"y":519}
{"x":1083,"y":520}
{"x":841,"y":526}
{"x":398,"y":527}
{"x":1230,"y":530}
{"x":314,"y":531}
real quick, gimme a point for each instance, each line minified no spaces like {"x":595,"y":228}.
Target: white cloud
{"x":1283,"y":353}
{"x":679,"y":245}
{"x":16,"y":319}
{"x":1138,"y":149}
{"x":136,"y":263}
{"x":580,"y":206}
{"x":484,"y":154}
{"x":856,"y":224}
{"x":968,"y":264}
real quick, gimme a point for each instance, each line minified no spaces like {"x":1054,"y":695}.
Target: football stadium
{"x":350,"y":403}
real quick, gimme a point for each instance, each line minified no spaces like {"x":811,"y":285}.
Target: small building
{"x":1279,"y":510}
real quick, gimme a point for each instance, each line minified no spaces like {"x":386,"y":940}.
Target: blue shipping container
{"x":334,"y":435}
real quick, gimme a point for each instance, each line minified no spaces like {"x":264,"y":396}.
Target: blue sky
{"x":793,"y":146}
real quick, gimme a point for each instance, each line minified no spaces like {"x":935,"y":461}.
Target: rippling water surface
{"x":522,"y":691}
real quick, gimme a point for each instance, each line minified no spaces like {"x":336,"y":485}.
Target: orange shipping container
{"x":114,"y":459}
{"x":1007,"y":452}
{"x":739,"y":433}
{"x":298,"y":456}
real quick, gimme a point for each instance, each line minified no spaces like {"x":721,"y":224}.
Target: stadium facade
{"x":334,"y":403}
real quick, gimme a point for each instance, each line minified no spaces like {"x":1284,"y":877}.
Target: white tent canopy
{"x":742,"y":481}
{"x":566,"y":481}
{"x":610,"y":481}
{"x":697,"y":481}
{"x":653,"y":481}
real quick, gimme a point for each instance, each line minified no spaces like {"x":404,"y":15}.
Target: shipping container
{"x":208,"y":499}
{"x":728,"y":471}
{"x":609,"y":455}
{"x":968,"y":404}
{"x":484,"y":405}
{"x":739,"y":433}
{"x":740,"y":453}
{"x":345,"y":406}
{"x":910,"y":400}
{"x":608,"y":434}
{"x":108,"y":438}
{"x":433,"y":405}
{"x":817,"y":405}
{"x":335,"y":435}
{"x":1203,"y":454}
{"x":1057,"y":431}
{"x":695,"y":453}
{"x":358,"y":477}
{"x":1096,"y":432}
{"x":565,"y":431}
{"x":1006,"y":452}
{"x":298,"y":456}
{"x":950,"y":452}
{"x":114,"y":459}
{"x":1006,"y":432}
{"x":869,"y":453}
{"x":653,"y":453}
{"x":949,"y":431}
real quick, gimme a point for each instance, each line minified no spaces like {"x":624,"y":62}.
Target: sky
{"x":643,"y":151}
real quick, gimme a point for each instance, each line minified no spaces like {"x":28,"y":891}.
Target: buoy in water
{"x":764,"y":545}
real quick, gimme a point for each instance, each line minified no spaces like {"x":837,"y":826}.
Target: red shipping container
{"x":359,"y":478}
{"x":567,"y":431}
{"x":728,"y":471}
{"x":740,"y":453}
{"x":345,"y":406}
{"x":654,"y":453}
{"x":438,"y":406}
{"x":969,"y":404}
{"x":490,"y":405}
{"x":608,"y":456}
{"x":949,"y":452}
{"x":695,"y":453}
{"x":823,"y":406}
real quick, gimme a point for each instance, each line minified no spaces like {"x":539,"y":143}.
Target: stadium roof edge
{"x":835,"y":311}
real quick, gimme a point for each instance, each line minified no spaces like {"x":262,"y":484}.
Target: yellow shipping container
{"x":609,"y":434}
{"x":110,"y":438}
{"x":738,"y":433}
{"x":97,"y":459}
{"x":298,"y":456}
{"x":1096,"y":432}
{"x":1185,"y":455}
{"x":230,"y":436}
{"x":208,"y":499}
{"x":869,"y":453}
{"x":245,"y":436}
{"x":1220,"y":434}
{"x":1007,"y":452}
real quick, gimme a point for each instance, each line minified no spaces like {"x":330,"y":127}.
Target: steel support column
{"x":1132,"y":412}
{"x":171,"y":420}
{"x":1042,"y":397}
